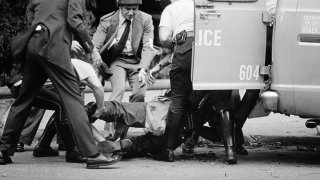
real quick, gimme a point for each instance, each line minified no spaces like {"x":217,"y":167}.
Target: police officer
{"x":176,"y":29}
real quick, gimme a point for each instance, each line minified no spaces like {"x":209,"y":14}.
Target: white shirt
{"x":178,"y":16}
{"x":83,"y":69}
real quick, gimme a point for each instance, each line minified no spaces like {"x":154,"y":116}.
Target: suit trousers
{"x":36,"y":70}
{"x":124,"y":70}
{"x":31,"y":126}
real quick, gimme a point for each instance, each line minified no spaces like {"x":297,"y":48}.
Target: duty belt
{"x":127,"y":56}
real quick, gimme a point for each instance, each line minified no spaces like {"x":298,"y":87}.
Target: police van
{"x":232,"y":50}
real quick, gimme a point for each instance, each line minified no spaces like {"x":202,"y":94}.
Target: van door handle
{"x":209,"y":15}
{"x":310,"y":39}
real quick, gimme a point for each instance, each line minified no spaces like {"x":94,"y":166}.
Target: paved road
{"x":261,"y":163}
{"x":280,"y":147}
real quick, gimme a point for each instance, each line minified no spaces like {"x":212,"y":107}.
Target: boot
{"x":43,"y":148}
{"x":239,"y":141}
{"x":172,"y":131}
{"x":227,"y":131}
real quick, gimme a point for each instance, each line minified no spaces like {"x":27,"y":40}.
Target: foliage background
{"x":13,"y":22}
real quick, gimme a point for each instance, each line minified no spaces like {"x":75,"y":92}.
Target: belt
{"x":40,"y":27}
{"x":127,"y":56}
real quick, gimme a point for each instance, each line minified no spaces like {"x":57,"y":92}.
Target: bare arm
{"x":98,"y":92}
{"x":165,"y":36}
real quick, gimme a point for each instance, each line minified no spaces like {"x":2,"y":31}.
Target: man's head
{"x":129,"y":8}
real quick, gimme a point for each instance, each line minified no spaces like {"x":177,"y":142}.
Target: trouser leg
{"x":31,"y":126}
{"x":181,"y":89}
{"x":48,"y":133}
{"x":117,"y":80}
{"x":245,"y":107}
{"x":34,"y":78}
{"x":49,"y":99}
{"x":67,"y":86}
{"x":128,"y":114}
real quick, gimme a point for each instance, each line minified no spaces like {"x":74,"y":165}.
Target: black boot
{"x":227,"y":131}
{"x":43,"y":148}
{"x":172,"y":131}
{"x":239,"y":141}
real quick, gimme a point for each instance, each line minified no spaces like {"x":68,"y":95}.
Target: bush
{"x":13,"y":22}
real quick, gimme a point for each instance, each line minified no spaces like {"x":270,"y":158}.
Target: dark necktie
{"x":118,"y":48}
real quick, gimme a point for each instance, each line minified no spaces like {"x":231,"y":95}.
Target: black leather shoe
{"x":75,"y":156}
{"x":20,"y":147}
{"x":4,"y":158}
{"x":44,"y":152}
{"x":165,"y":155}
{"x":102,"y":161}
{"x":240,"y":150}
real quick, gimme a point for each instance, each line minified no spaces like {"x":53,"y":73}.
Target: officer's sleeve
{"x":76,"y":22}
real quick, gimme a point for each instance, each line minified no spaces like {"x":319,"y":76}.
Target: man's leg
{"x":127,"y":114}
{"x":33,"y":79}
{"x":221,"y":101}
{"x":31,"y":126}
{"x":67,"y":86}
{"x":246,"y":105}
{"x":118,"y":80}
{"x":138,"y":93}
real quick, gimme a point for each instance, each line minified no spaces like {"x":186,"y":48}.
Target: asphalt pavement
{"x":280,"y":147}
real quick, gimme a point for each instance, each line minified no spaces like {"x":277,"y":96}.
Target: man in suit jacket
{"x":47,"y":55}
{"x":134,"y":60}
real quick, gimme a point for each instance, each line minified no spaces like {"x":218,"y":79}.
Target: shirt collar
{"x":122,"y":19}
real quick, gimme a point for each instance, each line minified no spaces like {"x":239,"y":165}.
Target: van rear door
{"x":230,"y":44}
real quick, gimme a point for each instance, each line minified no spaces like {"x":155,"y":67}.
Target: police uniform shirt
{"x":178,"y":16}
{"x":122,"y":25}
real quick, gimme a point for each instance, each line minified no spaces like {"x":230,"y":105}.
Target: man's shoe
{"x":4,"y":158}
{"x":102,"y":161}
{"x":20,"y":147}
{"x":75,"y":156}
{"x":44,"y":152}
{"x":165,"y":155}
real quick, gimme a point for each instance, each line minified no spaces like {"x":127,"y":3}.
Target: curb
{"x":283,"y":140}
